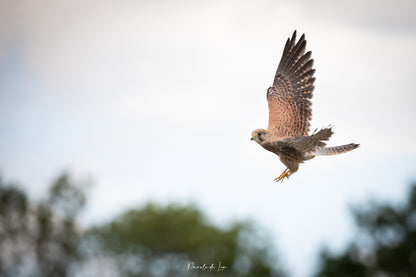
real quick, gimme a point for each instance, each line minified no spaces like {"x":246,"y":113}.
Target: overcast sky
{"x":156,"y":101}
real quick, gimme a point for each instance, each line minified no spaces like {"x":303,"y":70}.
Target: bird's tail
{"x":325,"y":151}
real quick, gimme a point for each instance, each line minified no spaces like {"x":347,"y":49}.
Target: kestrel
{"x":290,"y":112}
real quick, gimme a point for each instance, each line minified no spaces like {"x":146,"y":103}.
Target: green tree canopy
{"x":386,"y":247}
{"x":39,"y":239}
{"x":173,"y":240}
{"x":43,"y":238}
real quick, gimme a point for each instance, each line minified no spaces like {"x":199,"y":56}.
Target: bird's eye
{"x":258,"y":134}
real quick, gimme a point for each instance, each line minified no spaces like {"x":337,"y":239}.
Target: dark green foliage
{"x":67,"y":197}
{"x":39,"y":239}
{"x":345,"y":265}
{"x":13,"y":225}
{"x":42,"y":239}
{"x":389,"y":234}
{"x":176,"y":236}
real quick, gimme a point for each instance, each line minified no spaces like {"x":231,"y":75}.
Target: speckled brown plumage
{"x":289,"y":97}
{"x":290,"y":112}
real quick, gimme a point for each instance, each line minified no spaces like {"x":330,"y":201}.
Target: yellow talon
{"x":282,"y":176}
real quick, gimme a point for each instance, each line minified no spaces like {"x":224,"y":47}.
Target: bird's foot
{"x":282,"y":176}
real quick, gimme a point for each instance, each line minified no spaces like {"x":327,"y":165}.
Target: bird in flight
{"x":289,"y":101}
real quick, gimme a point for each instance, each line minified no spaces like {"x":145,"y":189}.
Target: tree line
{"x":44,"y":238}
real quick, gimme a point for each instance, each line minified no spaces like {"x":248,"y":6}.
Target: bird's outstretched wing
{"x":289,"y":98}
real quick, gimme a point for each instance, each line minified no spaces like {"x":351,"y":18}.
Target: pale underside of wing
{"x":289,"y":97}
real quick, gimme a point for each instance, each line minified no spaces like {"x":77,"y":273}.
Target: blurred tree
{"x":388,"y":245}
{"x":43,"y":239}
{"x":13,"y":229}
{"x":173,"y":241}
{"x":39,"y":239}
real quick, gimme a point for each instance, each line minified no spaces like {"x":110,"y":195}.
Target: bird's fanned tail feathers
{"x":325,"y":151}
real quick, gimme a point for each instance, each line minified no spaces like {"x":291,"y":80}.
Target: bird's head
{"x":259,"y":135}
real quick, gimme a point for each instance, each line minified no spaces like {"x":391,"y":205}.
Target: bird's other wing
{"x":289,"y":97}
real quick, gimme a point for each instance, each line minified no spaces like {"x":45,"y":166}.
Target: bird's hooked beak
{"x":252,"y":138}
